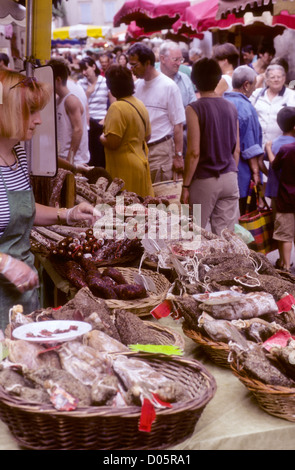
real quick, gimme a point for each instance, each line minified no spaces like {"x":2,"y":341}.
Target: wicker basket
{"x":166,"y":335}
{"x":218,"y":352}
{"x":170,"y":190}
{"x":274,"y":400}
{"x":141,"y":307}
{"x":95,"y":428}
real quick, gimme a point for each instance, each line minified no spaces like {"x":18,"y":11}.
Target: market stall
{"x":200,"y":331}
{"x":231,"y":420}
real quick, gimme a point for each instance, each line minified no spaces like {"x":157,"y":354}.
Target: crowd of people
{"x":148,"y":116}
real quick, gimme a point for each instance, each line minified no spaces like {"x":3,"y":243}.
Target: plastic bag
{"x":244,"y":234}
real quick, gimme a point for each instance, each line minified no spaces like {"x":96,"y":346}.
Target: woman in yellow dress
{"x":126,"y":131}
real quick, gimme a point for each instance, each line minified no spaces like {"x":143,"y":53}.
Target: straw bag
{"x":260,"y":223}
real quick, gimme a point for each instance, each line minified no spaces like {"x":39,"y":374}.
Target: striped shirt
{"x":15,"y":181}
{"x":98,"y":100}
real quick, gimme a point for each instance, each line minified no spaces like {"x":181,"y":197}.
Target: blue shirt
{"x":272,"y":184}
{"x":185,"y":85}
{"x":250,"y":137}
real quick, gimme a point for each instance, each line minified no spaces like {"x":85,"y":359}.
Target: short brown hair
{"x":226,"y":51}
{"x":119,"y":81}
{"x":21,"y":97}
{"x":206,"y":74}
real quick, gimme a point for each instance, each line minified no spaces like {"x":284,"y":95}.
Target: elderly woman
{"x":22,"y":100}
{"x":126,"y":130}
{"x":210,"y":172}
{"x":270,"y":99}
{"x":99,"y":97}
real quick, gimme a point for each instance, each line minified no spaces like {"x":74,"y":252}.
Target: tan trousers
{"x":161,"y":161}
{"x":219,"y":199}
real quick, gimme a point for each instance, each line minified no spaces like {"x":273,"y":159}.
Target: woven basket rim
{"x":151,"y":301}
{"x":130,"y":411}
{"x":203,"y":340}
{"x":178,"y":338}
{"x":258,"y":386}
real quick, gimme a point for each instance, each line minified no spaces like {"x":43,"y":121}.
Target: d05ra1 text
{"x":168,"y":459}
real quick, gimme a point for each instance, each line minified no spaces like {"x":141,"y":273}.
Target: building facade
{"x":96,"y":12}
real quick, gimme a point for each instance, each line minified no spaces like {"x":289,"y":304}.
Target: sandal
{"x":279,"y":266}
{"x":285,"y":270}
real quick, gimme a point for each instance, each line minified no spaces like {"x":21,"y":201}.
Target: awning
{"x":12,"y":12}
{"x":81,"y":31}
{"x":239,"y":7}
{"x":152,"y":15}
{"x":257,"y":7}
{"x":134,"y":33}
{"x":202,"y":17}
{"x":284,"y":19}
{"x":281,"y":6}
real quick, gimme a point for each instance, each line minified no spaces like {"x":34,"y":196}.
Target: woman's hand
{"x":18,"y":273}
{"x":184,"y":198}
{"x":178,"y":164}
{"x":81,"y":212}
{"x":82,"y":168}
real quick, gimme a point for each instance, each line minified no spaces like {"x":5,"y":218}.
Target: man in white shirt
{"x":170,"y":59}
{"x":163,"y":101}
{"x":72,"y":128}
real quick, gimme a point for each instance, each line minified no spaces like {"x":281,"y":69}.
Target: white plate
{"x":216,"y":298}
{"x":61,"y":330}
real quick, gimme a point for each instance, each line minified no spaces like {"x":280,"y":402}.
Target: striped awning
{"x":81,"y":31}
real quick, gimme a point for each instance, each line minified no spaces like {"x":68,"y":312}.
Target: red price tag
{"x":278,"y":339}
{"x":163,"y":310}
{"x":147,"y":417}
{"x":286,"y":303}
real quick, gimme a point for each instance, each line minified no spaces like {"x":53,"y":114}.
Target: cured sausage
{"x":130,"y":291}
{"x":99,"y":287}
{"x":75,"y":274}
{"x":115,"y":274}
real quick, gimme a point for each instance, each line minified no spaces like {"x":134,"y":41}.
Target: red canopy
{"x":202,"y":16}
{"x":153,"y":15}
{"x":285,"y":19}
{"x":134,"y":33}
